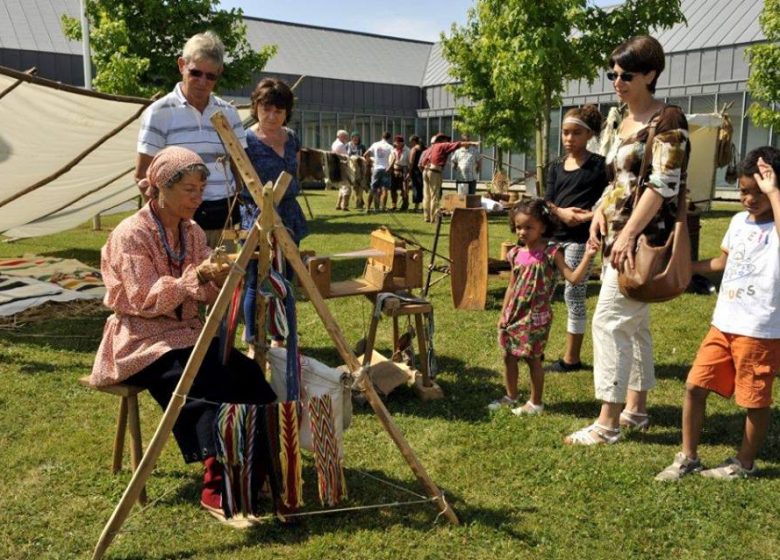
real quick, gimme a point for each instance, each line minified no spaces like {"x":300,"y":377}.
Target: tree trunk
{"x":539,"y":150}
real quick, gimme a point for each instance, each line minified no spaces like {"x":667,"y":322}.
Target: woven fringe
{"x":330,"y":470}
{"x":290,"y":455}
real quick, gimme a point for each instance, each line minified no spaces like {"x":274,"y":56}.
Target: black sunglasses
{"x":625,"y":76}
{"x":195,"y":73}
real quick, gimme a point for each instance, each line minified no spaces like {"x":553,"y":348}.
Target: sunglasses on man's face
{"x":625,"y":76}
{"x":195,"y":73}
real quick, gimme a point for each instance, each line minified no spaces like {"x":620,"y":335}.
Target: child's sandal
{"x":528,"y":409}
{"x":634,"y":420}
{"x":595,"y":434}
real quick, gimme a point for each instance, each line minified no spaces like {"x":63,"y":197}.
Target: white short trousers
{"x":622,"y":345}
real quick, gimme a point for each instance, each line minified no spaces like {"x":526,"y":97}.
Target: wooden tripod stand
{"x":269,"y":224}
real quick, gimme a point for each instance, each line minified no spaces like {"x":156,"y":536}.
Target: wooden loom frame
{"x":268,"y":224}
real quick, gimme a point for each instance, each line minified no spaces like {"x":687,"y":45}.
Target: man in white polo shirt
{"x":182,"y":118}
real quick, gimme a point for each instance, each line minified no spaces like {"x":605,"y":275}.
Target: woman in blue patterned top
{"x":272,"y":148}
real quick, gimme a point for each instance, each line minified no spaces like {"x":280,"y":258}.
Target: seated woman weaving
{"x":156,"y":268}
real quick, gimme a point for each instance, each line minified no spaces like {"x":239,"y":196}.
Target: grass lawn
{"x":519,"y":491}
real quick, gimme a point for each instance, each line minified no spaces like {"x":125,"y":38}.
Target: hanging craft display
{"x":290,"y":455}
{"x":330,"y":469}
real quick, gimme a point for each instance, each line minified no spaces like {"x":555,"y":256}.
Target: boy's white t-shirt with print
{"x":750,"y":290}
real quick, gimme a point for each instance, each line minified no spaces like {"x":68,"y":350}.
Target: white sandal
{"x":634,"y":420}
{"x":595,"y":434}
{"x":528,"y":409}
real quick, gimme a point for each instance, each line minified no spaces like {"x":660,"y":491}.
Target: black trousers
{"x":240,"y":381}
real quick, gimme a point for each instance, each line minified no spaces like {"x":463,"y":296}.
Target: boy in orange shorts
{"x":740,"y":355}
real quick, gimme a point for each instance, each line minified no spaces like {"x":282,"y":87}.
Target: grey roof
{"x":714,"y":23}
{"x":338,"y":54}
{"x":711,"y":24}
{"x":348,"y":55}
{"x":436,"y":71}
{"x":35,"y":25}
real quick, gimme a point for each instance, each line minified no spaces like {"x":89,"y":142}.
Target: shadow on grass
{"x":365,"y":491}
{"x":89,"y":257}
{"x":80,"y":332}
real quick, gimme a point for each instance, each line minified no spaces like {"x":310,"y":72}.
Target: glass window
{"x":679,"y":101}
{"x":446,"y":126}
{"x":755,"y":136}
{"x":517,"y":161}
{"x":486,"y":173}
{"x":346,"y":122}
{"x":328,"y":129}
{"x":703,"y":104}
{"x":554,"y":140}
{"x":395,"y":126}
{"x":311,"y":129}
{"x":377,"y":129}
{"x":363,"y":126}
{"x":409,"y":129}
{"x":295,"y":124}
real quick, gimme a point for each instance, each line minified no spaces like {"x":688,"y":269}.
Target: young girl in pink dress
{"x":527,"y":314}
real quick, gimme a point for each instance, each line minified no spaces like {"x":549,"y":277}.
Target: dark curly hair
{"x":537,"y":208}
{"x":589,"y":114}
{"x":749,"y":165}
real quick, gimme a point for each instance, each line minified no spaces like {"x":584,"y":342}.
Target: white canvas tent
{"x":66,"y":154}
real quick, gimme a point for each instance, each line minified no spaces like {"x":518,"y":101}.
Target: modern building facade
{"x":372,"y":83}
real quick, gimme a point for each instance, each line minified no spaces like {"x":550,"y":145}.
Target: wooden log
{"x":263,"y":267}
{"x":469,"y":254}
{"x":179,"y":396}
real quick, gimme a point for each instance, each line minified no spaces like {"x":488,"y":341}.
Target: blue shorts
{"x":380,"y":179}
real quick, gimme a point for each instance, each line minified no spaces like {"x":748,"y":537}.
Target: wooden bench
{"x":128,"y":420}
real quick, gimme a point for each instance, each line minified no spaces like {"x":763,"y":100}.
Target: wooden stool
{"x":128,"y":420}
{"x":395,"y":308}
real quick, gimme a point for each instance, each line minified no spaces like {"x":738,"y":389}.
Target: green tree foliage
{"x":135,"y":43}
{"x":764,"y":81}
{"x":513,"y":59}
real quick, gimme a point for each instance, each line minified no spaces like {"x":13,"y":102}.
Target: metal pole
{"x":86,"y":60}
{"x":85,"y":52}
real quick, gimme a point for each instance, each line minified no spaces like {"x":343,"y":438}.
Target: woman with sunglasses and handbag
{"x":623,"y":369}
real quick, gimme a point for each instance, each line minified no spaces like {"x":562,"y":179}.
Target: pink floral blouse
{"x":144,"y":290}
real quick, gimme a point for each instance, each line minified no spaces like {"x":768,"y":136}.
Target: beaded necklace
{"x":175,"y":260}
{"x":174,"y":257}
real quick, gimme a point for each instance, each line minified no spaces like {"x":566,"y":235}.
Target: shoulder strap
{"x":646,"y":156}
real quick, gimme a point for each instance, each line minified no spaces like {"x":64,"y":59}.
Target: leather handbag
{"x":659,"y":273}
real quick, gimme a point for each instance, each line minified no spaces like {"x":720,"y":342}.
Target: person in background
{"x":378,"y":155}
{"x":339,"y":145}
{"x":157,"y":272}
{"x":441,"y":147}
{"x":399,"y":174}
{"x":415,"y":171}
{"x":466,"y":163}
{"x":355,"y":148}
{"x":574,"y":185}
{"x":272,"y":148}
{"x":183,"y":118}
